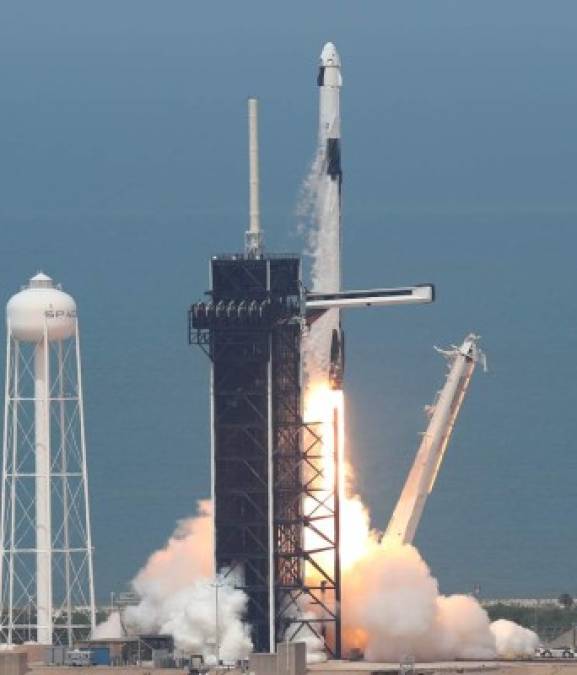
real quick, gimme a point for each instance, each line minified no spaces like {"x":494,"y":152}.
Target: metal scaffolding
{"x":265,"y":460}
{"x":46,"y":568}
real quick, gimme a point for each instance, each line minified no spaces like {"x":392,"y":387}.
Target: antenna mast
{"x":253,"y":238}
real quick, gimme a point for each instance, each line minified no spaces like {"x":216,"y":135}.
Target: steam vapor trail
{"x":319,"y":222}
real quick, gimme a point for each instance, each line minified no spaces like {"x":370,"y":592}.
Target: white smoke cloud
{"x":306,"y":208}
{"x":109,"y":629}
{"x":393,"y":609}
{"x":178,"y":596}
{"x":315,"y":646}
{"x":513,"y":640}
{"x":186,"y":557}
{"x":189,"y":615}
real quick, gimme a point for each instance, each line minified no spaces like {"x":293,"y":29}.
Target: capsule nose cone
{"x":330,"y":56}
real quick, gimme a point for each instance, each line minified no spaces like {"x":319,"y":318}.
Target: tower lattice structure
{"x":46,"y":568}
{"x":265,"y":460}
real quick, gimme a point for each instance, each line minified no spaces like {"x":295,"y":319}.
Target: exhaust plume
{"x":393,"y":610}
{"x":392,"y":607}
{"x":513,"y":640}
{"x":177,"y":595}
{"x":109,"y":629}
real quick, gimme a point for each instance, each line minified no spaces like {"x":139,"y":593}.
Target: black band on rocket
{"x":334,"y":157}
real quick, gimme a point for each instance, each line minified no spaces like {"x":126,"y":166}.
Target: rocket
{"x":331,"y":298}
{"x":330,"y":82}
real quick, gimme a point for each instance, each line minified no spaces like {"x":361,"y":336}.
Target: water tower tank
{"x":45,"y":537}
{"x":38,"y":307}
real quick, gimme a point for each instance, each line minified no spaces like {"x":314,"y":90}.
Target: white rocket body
{"x":330,"y":82}
{"x":421,"y":479}
{"x":329,"y":203}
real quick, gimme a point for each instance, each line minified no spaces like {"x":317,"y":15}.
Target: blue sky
{"x":123,"y":168}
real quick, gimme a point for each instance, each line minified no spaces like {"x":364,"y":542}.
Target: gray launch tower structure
{"x":250,"y":327}
{"x":251,"y":330}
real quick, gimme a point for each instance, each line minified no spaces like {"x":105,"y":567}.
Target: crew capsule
{"x":329,"y":67}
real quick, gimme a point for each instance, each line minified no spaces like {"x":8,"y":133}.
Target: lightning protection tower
{"x":47,"y":583}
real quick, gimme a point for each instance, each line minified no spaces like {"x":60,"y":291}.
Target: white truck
{"x":556,"y":652}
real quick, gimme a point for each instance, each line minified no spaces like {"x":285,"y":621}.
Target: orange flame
{"x":325,"y":409}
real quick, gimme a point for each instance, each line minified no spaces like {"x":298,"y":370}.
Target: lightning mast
{"x":253,"y":237}
{"x":444,"y":412}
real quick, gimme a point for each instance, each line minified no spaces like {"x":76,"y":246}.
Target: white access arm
{"x":377,"y":297}
{"x":444,"y":412}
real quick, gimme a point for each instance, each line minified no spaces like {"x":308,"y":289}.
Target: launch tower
{"x":250,"y":327}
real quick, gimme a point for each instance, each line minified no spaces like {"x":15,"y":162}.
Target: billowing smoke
{"x":513,"y":640}
{"x":177,"y":594}
{"x":186,"y":557}
{"x":111,"y":628}
{"x":392,"y":607}
{"x":397,"y":611}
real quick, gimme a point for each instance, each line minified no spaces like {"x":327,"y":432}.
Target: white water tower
{"x":46,"y":573}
